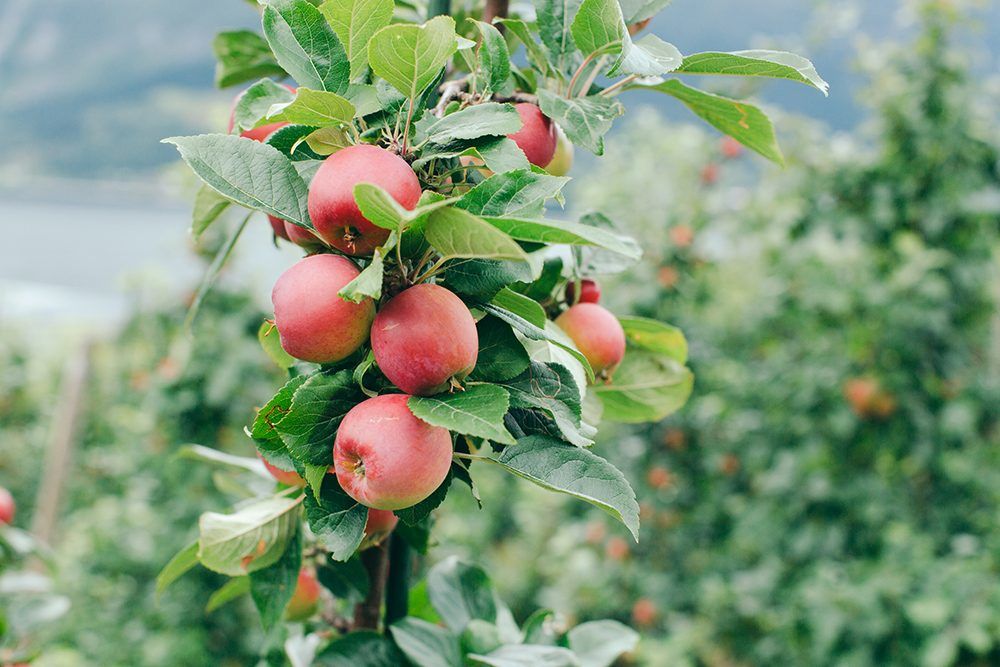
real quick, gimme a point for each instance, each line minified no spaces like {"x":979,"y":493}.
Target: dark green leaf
{"x":522,"y":306}
{"x":501,"y":355}
{"x":243,"y":55}
{"x":483,"y":278}
{"x":461,"y":592}
{"x":478,"y":411}
{"x":551,"y":389}
{"x":494,"y":58}
{"x":347,"y":580}
{"x":458,"y":234}
{"x":337,"y":520}
{"x":456,"y":129}
{"x":317,"y":408}
{"x":272,"y":587}
{"x":426,"y":644}
{"x":264,"y":429}
{"x":296,"y":142}
{"x":598,"y":27}
{"x":562,"y":232}
{"x":306,"y":46}
{"x":417,"y":514}
{"x":363,"y":648}
{"x":520,"y":193}
{"x":554,"y":20}
{"x":231,"y":590}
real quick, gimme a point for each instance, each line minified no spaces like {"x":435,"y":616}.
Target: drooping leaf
{"x":646,"y":387}
{"x":183,"y":560}
{"x":763,"y":63}
{"x":208,"y":206}
{"x":575,"y":471}
{"x":551,"y":334}
{"x":368,"y":283}
{"x":345,"y":579}
{"x":520,"y":193}
{"x":649,"y":56}
{"x":461,"y":592}
{"x":253,"y":103}
{"x":656,"y":337}
{"x":410,"y":57}
{"x":316,"y":108}
{"x":243,"y":56}
{"x":231,"y":590}
{"x":426,"y":644}
{"x":355,"y":22}
{"x":337,"y":520}
{"x":478,"y":411}
{"x":250,"y":539}
{"x":563,"y":232}
{"x":585,"y":120}
{"x":272,"y":587}
{"x":247,"y":172}
{"x":318,"y":406}
{"x":416,"y":516}
{"x":743,"y":122}
{"x":458,"y":234}
{"x":306,"y":46}
{"x":551,"y":388}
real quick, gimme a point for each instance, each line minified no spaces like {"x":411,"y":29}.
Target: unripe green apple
{"x":387,"y":459}
{"x":537,"y":136}
{"x":332,"y":207}
{"x":314,"y":323}
{"x":425,"y":339}
{"x":562,"y":160}
{"x":7,"y":506}
{"x":305,"y":599}
{"x":597,"y":334}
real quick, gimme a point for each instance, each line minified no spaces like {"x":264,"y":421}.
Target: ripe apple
{"x":596,"y":333}
{"x":562,"y":160}
{"x":332,"y":207}
{"x":731,"y":148}
{"x":313,"y":322}
{"x":303,"y":237}
{"x":868,"y":398}
{"x":590,"y":292}
{"x":659,"y":477}
{"x":537,"y":136}
{"x":681,"y":235}
{"x":387,"y":459}
{"x":425,"y":339}
{"x":7,"y":506}
{"x":638,"y":26}
{"x":305,"y":599}
{"x":710,"y":174}
{"x":278,"y":225}
{"x":644,"y":612}
{"x":378,"y":527}
{"x":286,"y":477}
{"x":616,"y":549}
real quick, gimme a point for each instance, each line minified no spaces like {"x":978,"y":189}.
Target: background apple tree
{"x":414,"y":155}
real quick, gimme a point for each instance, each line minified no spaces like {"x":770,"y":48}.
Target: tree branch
{"x":376,"y":562}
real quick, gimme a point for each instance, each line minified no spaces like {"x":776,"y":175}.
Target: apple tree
{"x":441,"y":320}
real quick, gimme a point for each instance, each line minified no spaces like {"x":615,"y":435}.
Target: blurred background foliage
{"x":828,"y":497}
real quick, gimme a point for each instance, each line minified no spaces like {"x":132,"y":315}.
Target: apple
{"x":387,"y":459}
{"x":286,"y":477}
{"x":315,"y":324}
{"x":332,"y":207}
{"x":303,"y":238}
{"x":425,"y":340}
{"x":596,"y":333}
{"x":562,"y":160}
{"x":305,"y":599}
{"x":731,"y":148}
{"x":378,"y":527}
{"x":868,"y":398}
{"x":616,"y":549}
{"x":710,"y":173}
{"x":7,"y":506}
{"x":537,"y":136}
{"x":278,"y":225}
{"x":638,"y":26}
{"x":659,"y":477}
{"x":681,"y":235}
{"x":644,"y":612}
{"x":590,"y":292}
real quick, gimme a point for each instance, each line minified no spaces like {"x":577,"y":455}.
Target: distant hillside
{"x":89,"y":88}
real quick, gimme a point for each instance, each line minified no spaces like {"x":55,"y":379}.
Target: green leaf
{"x":514,"y":193}
{"x":550,"y":333}
{"x":356,"y":22}
{"x":264,"y":429}
{"x":501,"y":155}
{"x":210,"y":455}
{"x":459,"y":234}
{"x":362,"y":648}
{"x":554,"y":20}
{"x":346,"y":580}
{"x":483,"y":278}
{"x":426,"y":644}
{"x":527,"y":655}
{"x":656,"y":337}
{"x":327,"y":140}
{"x":490,"y":119}
{"x":585,"y":120}
{"x":296,"y":142}
{"x":478,"y":411}
{"x":650,"y":56}
{"x":368,"y":283}
{"x":316,"y":108}
{"x":494,"y":58}
{"x":461,"y":592}
{"x":770,"y":64}
{"x":415,"y":516}
{"x":535,"y":53}
{"x":250,"y":539}
{"x":646,"y":387}
{"x":501,"y":354}
{"x":600,"y":643}
{"x":594,"y":260}
{"x":212,"y":272}
{"x":522,"y":306}
{"x":272,"y":587}
{"x":306,"y":46}
{"x":640,"y":10}
{"x":317,"y":408}
{"x":243,"y":55}
{"x":271,"y":342}
{"x":379,"y":207}
{"x":337,"y":520}
{"x":410,"y":57}
{"x":552,"y":389}
{"x":247,"y":172}
{"x":253,"y":103}
{"x":562,"y":232}
{"x":598,"y":27}
{"x":183,"y":560}
{"x":231,"y":590}
{"x":208,"y":206}
{"x":743,"y":122}
{"x":574,"y":471}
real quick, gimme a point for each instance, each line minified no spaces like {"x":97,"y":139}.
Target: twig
{"x":619,"y":84}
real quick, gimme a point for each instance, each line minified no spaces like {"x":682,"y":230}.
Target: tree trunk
{"x":376,"y":562}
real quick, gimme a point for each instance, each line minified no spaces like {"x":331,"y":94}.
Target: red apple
{"x":644,"y":612}
{"x":7,"y":506}
{"x":386,"y":458}
{"x":302,"y":237}
{"x":380,"y":523}
{"x":424,"y":339}
{"x":731,"y":148}
{"x":638,"y":26}
{"x":313,"y":322}
{"x":305,"y":599}
{"x":286,"y":477}
{"x":278,"y":226}
{"x":590,"y":292}
{"x":332,"y":208}
{"x":537,"y":136}
{"x":596,"y":333}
